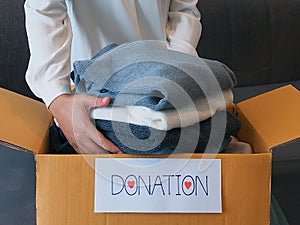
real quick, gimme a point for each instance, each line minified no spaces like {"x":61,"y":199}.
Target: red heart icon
{"x":131,"y":184}
{"x":188,"y":184}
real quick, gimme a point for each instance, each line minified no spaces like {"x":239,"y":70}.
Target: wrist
{"x":59,"y":102}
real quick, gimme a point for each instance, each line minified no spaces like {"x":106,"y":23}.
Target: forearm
{"x":183,"y":27}
{"x":49,"y":38}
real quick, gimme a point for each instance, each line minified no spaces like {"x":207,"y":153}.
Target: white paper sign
{"x":158,"y":185}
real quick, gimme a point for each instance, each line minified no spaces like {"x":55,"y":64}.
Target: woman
{"x":62,"y":31}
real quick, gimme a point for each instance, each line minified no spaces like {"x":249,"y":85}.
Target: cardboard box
{"x":65,"y":183}
{"x":271,"y":121}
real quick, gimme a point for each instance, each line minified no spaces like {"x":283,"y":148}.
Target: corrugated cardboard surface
{"x":24,"y":121}
{"x":270,"y":119}
{"x":65,"y":193}
{"x":65,"y":183}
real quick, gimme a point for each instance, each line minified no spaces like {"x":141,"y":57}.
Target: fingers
{"x":89,"y":148}
{"x":102,"y":102}
{"x":97,"y":145}
{"x":73,"y":115}
{"x":100,"y":140}
{"x":92,"y":147}
{"x":90,"y":141}
{"x":92,"y":101}
{"x":94,"y":135}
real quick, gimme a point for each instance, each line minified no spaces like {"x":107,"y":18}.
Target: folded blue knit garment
{"x":146,"y":73}
{"x":135,"y":139}
{"x":165,"y":119}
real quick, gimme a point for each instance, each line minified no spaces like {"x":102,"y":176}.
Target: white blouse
{"x":62,"y":31}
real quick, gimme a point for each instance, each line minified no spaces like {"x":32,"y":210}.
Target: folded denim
{"x":135,"y":139}
{"x":145,"y":73}
{"x":165,"y":119}
{"x":186,"y":140}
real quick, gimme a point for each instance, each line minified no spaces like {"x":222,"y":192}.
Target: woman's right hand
{"x":72,"y":112}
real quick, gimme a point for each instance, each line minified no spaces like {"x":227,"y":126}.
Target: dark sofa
{"x":258,"y":39}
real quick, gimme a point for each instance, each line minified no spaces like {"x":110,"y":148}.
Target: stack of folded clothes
{"x":162,"y":101}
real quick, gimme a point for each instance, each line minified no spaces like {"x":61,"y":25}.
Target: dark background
{"x":257,"y":39}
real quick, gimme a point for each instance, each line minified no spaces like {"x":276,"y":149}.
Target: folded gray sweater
{"x":145,"y":73}
{"x":202,"y":137}
{"x":209,"y":136}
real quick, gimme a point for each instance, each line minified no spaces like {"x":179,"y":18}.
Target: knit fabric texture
{"x":135,"y":139}
{"x":166,"y":119}
{"x":145,"y":73}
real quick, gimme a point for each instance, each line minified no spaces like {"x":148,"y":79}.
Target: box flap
{"x":270,"y":119}
{"x":65,"y":193}
{"x":24,"y":122}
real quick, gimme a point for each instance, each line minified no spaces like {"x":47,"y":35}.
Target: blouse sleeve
{"x":49,"y":37}
{"x":183,"y":26}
